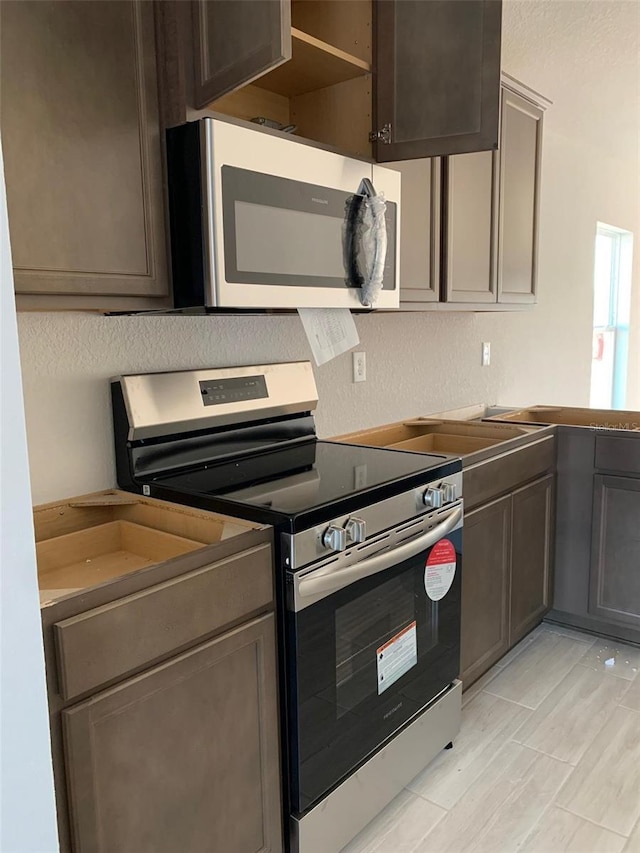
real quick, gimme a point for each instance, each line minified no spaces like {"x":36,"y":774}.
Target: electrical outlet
{"x":486,"y":354}
{"x":359,"y":367}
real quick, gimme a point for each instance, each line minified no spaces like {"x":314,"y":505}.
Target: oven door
{"x":373,"y":636}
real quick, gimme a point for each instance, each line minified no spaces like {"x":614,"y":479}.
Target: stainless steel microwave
{"x":260,"y":221}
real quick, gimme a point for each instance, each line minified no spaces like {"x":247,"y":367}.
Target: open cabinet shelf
{"x":325,"y":88}
{"x":314,"y":65}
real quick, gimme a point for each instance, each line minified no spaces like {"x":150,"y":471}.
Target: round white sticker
{"x":440,"y":569}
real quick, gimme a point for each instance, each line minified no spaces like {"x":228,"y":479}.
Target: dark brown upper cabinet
{"x":420,"y":234}
{"x":234,"y":43}
{"x":471,"y":226}
{"x":304,"y":64}
{"x":82,"y":154}
{"x":520,"y":164}
{"x":430,"y":71}
{"x":488,"y":219}
{"x":437,"y":77}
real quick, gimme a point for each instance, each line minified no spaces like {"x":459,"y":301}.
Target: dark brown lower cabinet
{"x":614,"y":593}
{"x":485,"y":588}
{"x":183,"y":757}
{"x":597,"y":555}
{"x":163,"y":689}
{"x":508,"y":560}
{"x":531,"y":556}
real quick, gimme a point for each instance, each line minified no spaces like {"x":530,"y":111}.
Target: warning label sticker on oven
{"x":396,"y":657}
{"x":440,"y":569}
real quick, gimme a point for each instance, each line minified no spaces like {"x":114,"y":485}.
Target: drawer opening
{"x":440,"y":436}
{"x":103,"y":552}
{"x":444,"y":443}
{"x":85,"y":541}
{"x":571,"y":416}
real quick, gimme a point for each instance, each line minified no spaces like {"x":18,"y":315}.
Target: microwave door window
{"x":282,"y":232}
{"x":281,"y":242}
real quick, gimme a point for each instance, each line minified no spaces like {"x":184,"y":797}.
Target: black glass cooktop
{"x":304,"y":476}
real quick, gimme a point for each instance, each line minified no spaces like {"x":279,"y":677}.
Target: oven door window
{"x":376,"y":639}
{"x":367,"y":659}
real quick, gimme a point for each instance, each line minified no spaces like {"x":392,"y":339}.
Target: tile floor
{"x":547,"y":761}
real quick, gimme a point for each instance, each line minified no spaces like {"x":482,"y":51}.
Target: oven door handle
{"x":333,"y":581}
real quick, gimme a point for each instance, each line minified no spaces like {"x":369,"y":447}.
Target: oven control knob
{"x":450,"y":492}
{"x":433,"y":498}
{"x":334,"y":538}
{"x":356,"y":531}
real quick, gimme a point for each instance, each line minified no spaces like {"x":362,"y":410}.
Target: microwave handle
{"x":336,"y":580}
{"x":370,"y":285}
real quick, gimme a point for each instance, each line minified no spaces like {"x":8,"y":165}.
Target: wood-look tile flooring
{"x":547,"y":760}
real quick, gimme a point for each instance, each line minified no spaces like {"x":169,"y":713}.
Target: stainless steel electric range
{"x":368,"y":551}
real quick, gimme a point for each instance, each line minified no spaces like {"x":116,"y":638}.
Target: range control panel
{"x":437,"y":499}
{"x":215,"y":392}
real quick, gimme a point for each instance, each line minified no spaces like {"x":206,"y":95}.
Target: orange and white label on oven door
{"x":440,"y":569}
{"x":397,"y":656}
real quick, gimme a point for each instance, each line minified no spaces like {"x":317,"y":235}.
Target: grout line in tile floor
{"x":587,"y":819}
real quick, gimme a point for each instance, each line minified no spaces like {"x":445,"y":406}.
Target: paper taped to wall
{"x":330,"y":331}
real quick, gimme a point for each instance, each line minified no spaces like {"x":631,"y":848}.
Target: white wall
{"x":27,"y":808}
{"x":583,"y":55}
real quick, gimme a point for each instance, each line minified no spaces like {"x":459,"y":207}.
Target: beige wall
{"x":580,"y":54}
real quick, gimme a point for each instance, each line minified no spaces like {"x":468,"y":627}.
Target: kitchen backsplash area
{"x":416,"y":364}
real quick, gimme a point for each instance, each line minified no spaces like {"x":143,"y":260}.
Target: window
{"x":611,"y":311}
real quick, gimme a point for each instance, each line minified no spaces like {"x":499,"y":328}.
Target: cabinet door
{"x":471,"y":227}
{"x":82,"y":148}
{"x":615,"y":555}
{"x":531,"y":555}
{"x":235,"y":43}
{"x":420,"y":230}
{"x":485,"y":588}
{"x":438,"y":76}
{"x":183,"y":757}
{"x":520,"y":160}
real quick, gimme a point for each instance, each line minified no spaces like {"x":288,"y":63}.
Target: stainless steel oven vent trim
{"x":302,"y":549}
{"x":163,"y":404}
